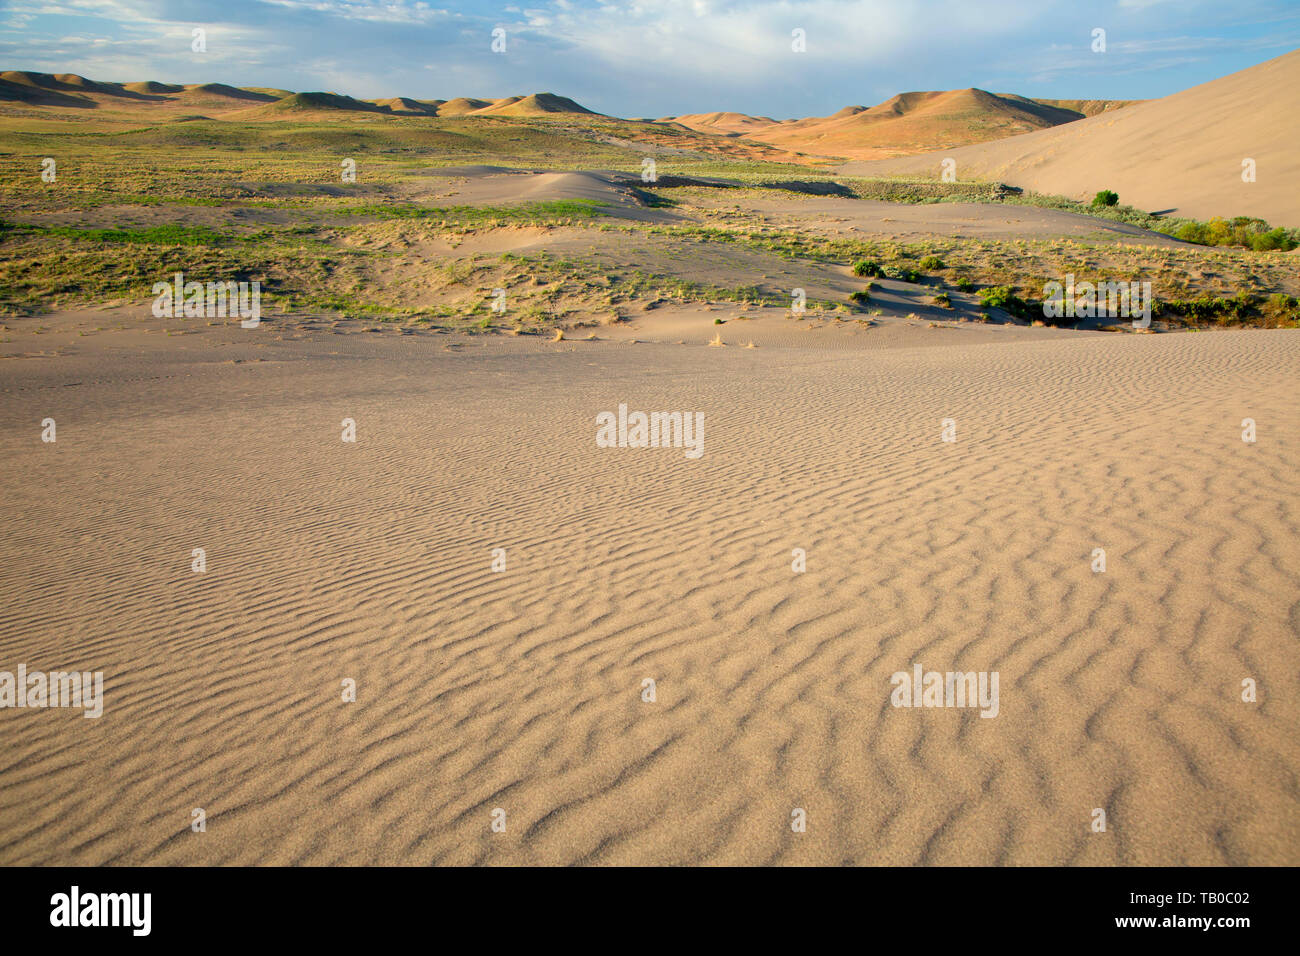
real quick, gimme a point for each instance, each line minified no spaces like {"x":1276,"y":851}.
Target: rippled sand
{"x":522,"y":690}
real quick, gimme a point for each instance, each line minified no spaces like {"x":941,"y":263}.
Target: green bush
{"x":932,"y":262}
{"x":1274,"y":240}
{"x":865,"y":267}
{"x":1105,"y":198}
{"x":1243,"y":231}
{"x":1002,"y":297}
{"x":943,"y":301}
{"x":861,"y":296}
{"x":1208,"y":308}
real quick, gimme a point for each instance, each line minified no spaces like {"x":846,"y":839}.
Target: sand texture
{"x":522,"y":689}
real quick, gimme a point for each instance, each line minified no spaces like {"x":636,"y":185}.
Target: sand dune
{"x":904,"y":124}
{"x":72,"y":91}
{"x":1183,"y":152}
{"x":317,"y":103}
{"x":912,"y":122}
{"x":404,"y":104}
{"x":494,"y":185}
{"x":153,"y":87}
{"x":522,"y":690}
{"x":721,"y":122}
{"x":461,"y":105}
{"x":537,"y":104}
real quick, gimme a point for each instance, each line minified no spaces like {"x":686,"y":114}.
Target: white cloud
{"x":393,"y":11}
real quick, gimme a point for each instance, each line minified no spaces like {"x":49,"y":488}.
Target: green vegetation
{"x":236,"y":200}
{"x":1240,"y":231}
{"x":1002,"y":297}
{"x":556,"y":211}
{"x":171,"y":235}
{"x":1106,"y":198}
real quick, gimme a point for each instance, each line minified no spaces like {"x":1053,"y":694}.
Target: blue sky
{"x":658,"y":57}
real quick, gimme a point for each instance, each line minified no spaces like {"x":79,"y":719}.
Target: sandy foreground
{"x":522,"y":689}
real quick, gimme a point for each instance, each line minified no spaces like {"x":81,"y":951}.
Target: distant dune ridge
{"x":904,"y":124}
{"x":721,"y":122}
{"x":73,"y":91}
{"x":1183,"y":152}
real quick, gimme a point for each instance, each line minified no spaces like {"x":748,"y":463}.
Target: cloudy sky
{"x":658,"y":57}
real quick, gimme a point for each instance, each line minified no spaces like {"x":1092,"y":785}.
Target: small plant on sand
{"x":1105,"y":198}
{"x":942,"y":300}
{"x":1282,"y":310}
{"x":866,"y":267}
{"x":932,"y":262}
{"x":861,"y":296}
{"x":1255,"y":234}
{"x":1001,"y":297}
{"x":904,"y":274}
{"x":964,"y":285}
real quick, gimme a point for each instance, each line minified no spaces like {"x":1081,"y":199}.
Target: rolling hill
{"x":915,"y":122}
{"x":1182,"y":153}
{"x":70,"y":91}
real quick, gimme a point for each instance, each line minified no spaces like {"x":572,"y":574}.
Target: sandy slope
{"x":912,"y":122}
{"x":521,"y":690}
{"x":904,"y":124}
{"x":1183,"y":152}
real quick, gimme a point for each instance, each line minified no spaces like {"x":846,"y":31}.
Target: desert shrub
{"x":1278,"y":239}
{"x":1193,"y":232}
{"x":965,"y":285}
{"x":1281,"y":310}
{"x":1205,"y":308}
{"x":1244,"y":231}
{"x":931,"y":262}
{"x":942,"y":300}
{"x":1003,"y":297}
{"x":861,"y":296}
{"x":1106,"y":198}
{"x":904,"y":274}
{"x":866,"y":267}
